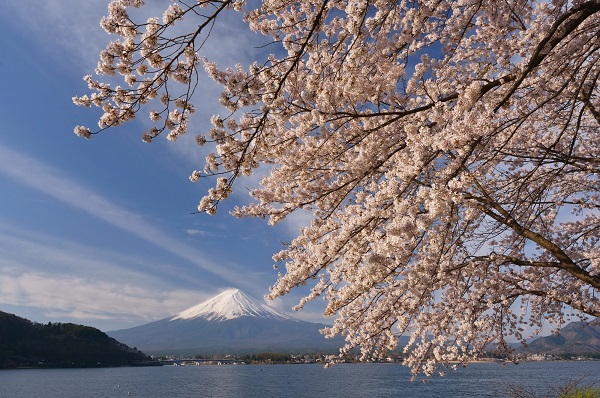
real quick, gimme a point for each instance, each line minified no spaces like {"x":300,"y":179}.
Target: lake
{"x":343,"y":380}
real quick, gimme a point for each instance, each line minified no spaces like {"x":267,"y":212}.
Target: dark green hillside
{"x":26,"y":343}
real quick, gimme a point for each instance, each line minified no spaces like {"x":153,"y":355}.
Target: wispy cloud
{"x":202,"y":233}
{"x":66,"y":296}
{"x":65,"y":281}
{"x":59,"y":276}
{"x":49,"y":22}
{"x":27,"y":171}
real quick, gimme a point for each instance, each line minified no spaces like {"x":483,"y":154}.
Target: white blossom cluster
{"x":147,"y":58}
{"x":448,"y":151}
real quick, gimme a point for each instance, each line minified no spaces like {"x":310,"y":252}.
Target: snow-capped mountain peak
{"x":230,"y":304}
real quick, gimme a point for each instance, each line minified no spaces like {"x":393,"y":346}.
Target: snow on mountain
{"x":230,"y":304}
{"x":230,"y":323}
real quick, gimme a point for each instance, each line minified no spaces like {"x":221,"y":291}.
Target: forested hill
{"x":27,"y":343}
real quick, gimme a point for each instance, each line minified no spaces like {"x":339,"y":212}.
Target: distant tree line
{"x":267,"y":357}
{"x":32,"y":344}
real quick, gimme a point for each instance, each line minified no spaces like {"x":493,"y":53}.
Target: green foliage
{"x":267,"y":357}
{"x":581,"y":392}
{"x":572,"y":389}
{"x":26,"y":343}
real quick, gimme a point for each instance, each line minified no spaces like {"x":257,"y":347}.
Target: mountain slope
{"x":26,"y":343}
{"x":575,"y":338}
{"x":230,"y":323}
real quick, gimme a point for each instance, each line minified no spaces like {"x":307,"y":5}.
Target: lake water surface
{"x":343,"y":380}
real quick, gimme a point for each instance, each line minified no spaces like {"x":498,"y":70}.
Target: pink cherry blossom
{"x":448,"y":152}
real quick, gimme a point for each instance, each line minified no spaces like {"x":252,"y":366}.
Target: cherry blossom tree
{"x":449,"y":152}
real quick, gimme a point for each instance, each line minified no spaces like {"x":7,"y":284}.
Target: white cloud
{"x":60,"y":296}
{"x":296,"y":221}
{"x":202,"y":233}
{"x":28,"y":171}
{"x":312,"y":311}
{"x":70,"y":26}
{"x":63,"y":278}
{"x":58,"y":280}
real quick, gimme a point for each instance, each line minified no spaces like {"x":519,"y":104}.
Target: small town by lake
{"x":308,"y":380}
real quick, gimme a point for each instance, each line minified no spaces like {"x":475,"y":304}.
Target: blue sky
{"x":100,"y":232}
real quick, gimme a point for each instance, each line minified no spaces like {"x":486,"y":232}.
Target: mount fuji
{"x":229,"y":323}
